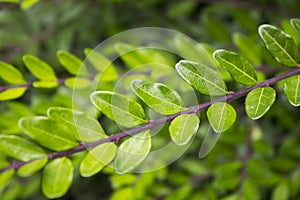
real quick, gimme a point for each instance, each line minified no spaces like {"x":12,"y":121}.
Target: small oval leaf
{"x":119,"y":108}
{"x":132,"y":152}
{"x":292,"y":90}
{"x":5,"y":178}
{"x":39,"y":68}
{"x":204,"y":79}
{"x":77,"y":82}
{"x":45,"y":84}
{"x":183,"y":128}
{"x":221,"y":116}
{"x":240,"y":68}
{"x":32,"y":167}
{"x":57,"y":177}
{"x":259,"y":101}
{"x":280,"y":45}
{"x":296,"y":25}
{"x":10,"y":74}
{"x":158,"y":96}
{"x":12,"y":93}
{"x":71,"y":63}
{"x":97,"y":158}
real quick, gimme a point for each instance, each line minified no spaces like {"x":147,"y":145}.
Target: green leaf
{"x":77,"y":82}
{"x":45,"y":84}
{"x":292,"y":90}
{"x":12,"y":93}
{"x":183,"y":127}
{"x":239,"y":68}
{"x":132,"y":152}
{"x":296,"y":25}
{"x":10,"y":74}
{"x":281,"y":192}
{"x":221,"y":116}
{"x":158,"y":96}
{"x":48,"y":133}
{"x":57,"y":177}
{"x":280,"y":45}
{"x":119,"y":108}
{"x":88,"y":128}
{"x":259,"y":101}
{"x":19,"y":148}
{"x":32,"y":167}
{"x":71,"y":63}
{"x":5,"y":178}
{"x":204,"y":79}
{"x":40,"y":69}
{"x":97,"y":158}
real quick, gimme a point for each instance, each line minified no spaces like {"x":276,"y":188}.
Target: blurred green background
{"x":253,"y":160}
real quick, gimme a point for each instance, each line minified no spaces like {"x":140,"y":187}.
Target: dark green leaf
{"x":292,"y":90}
{"x":280,"y":44}
{"x":158,"y":96}
{"x":204,"y":79}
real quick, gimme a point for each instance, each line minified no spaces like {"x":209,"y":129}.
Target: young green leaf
{"x":296,"y":25}
{"x":119,"y":108}
{"x":71,"y":63}
{"x":77,"y":82}
{"x":259,"y":101}
{"x":183,"y":128}
{"x":97,"y":158}
{"x":57,"y":177}
{"x":292,"y":90}
{"x":32,"y":167}
{"x":48,"y":133}
{"x":240,"y":68}
{"x":5,"y":178}
{"x":221,"y":116}
{"x":280,"y":45}
{"x":204,"y":79}
{"x":88,"y":128}
{"x":19,"y":148}
{"x":45,"y":84}
{"x":132,"y":152}
{"x":10,"y":74}
{"x":40,"y":69}
{"x":158,"y":96}
{"x":12,"y":93}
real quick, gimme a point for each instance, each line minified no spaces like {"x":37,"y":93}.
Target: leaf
{"x":296,"y":25}
{"x":45,"y":84}
{"x":183,"y":127}
{"x":48,"y":133}
{"x":119,"y":108}
{"x":31,"y":168}
{"x":57,"y":177}
{"x":259,"y":101}
{"x":12,"y":93}
{"x":221,"y":116}
{"x":10,"y":74}
{"x":239,"y":68}
{"x":97,"y":158}
{"x":132,"y":152}
{"x":204,"y":79}
{"x":158,"y":96}
{"x":77,"y":82}
{"x":19,"y":148}
{"x":292,"y":90}
{"x":281,"y":192}
{"x":280,"y":45}
{"x":88,"y":128}
{"x":5,"y":178}
{"x":71,"y":63}
{"x":39,"y":68}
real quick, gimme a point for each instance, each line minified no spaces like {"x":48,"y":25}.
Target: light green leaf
{"x":5,"y":178}
{"x":183,"y":127}
{"x":19,"y":148}
{"x":32,"y":167}
{"x":45,"y":84}
{"x":292,"y":90}
{"x":132,"y":152}
{"x":296,"y":25}
{"x":280,"y":45}
{"x":48,"y":133}
{"x":26,"y":4}
{"x":239,"y":68}
{"x":88,"y":128}
{"x":97,"y":158}
{"x":281,"y":192}
{"x":221,"y":116}
{"x":57,"y":177}
{"x":12,"y":93}
{"x":119,"y":108}
{"x":259,"y":101}
{"x":158,"y":96}
{"x":10,"y":74}
{"x":77,"y":82}
{"x":40,"y":69}
{"x":204,"y":79}
{"x":71,"y":63}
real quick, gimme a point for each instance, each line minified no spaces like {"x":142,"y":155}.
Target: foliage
{"x":114,"y":133}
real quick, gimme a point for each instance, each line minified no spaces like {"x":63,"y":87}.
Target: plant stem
{"x":154,"y":123}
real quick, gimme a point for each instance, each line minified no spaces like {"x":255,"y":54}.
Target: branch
{"x":154,"y":123}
